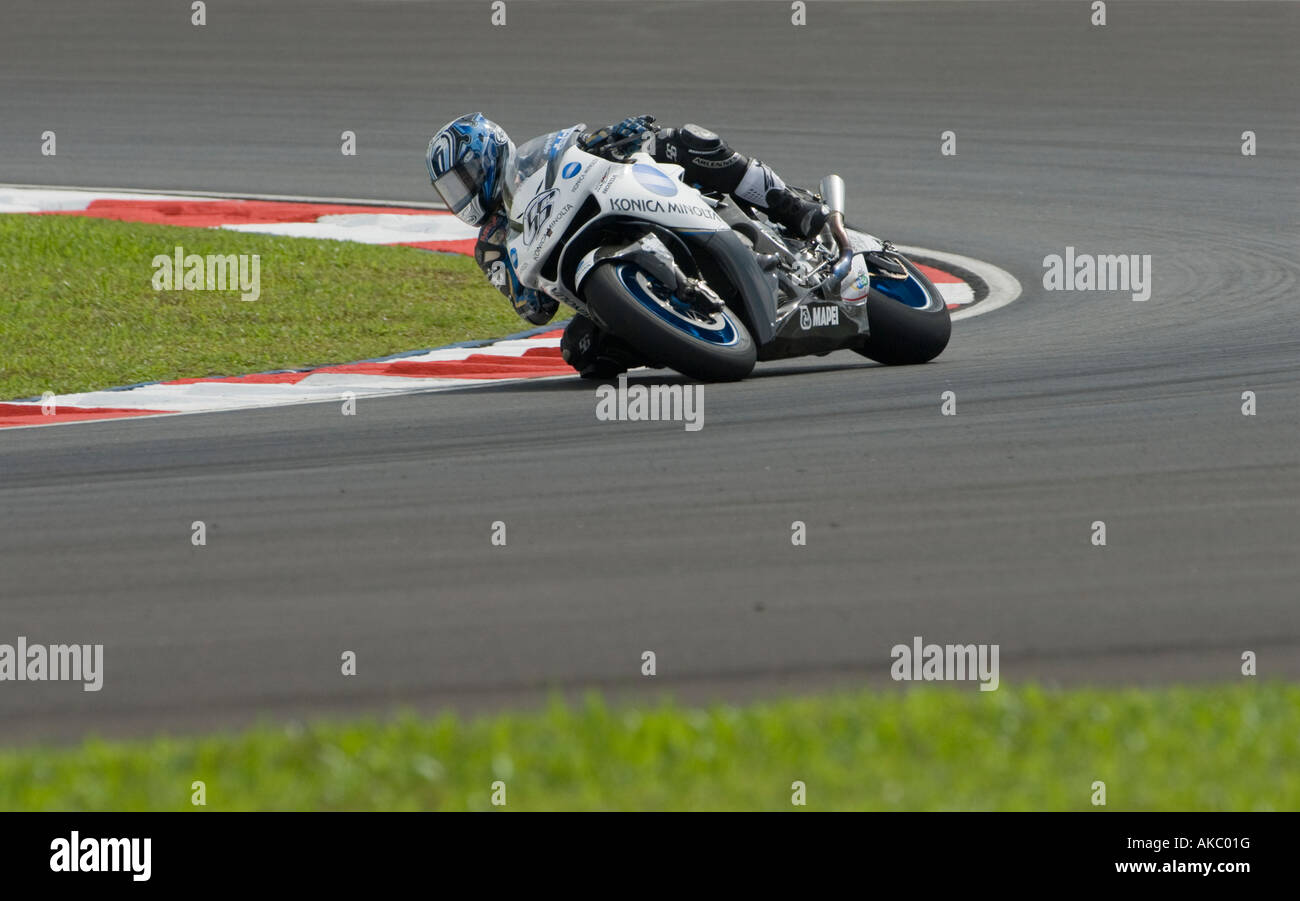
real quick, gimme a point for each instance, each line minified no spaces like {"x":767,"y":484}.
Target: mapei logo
{"x":812,"y":317}
{"x":537,"y":213}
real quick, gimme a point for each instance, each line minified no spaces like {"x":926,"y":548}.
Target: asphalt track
{"x":371,"y":533}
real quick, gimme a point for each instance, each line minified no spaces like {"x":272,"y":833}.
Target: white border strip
{"x":1003,"y":289}
{"x":226,"y":195}
{"x":1003,"y":286}
{"x":336,"y":395}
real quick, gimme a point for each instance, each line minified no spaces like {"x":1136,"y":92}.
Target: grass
{"x":1208,"y":748}
{"x":78,"y":310}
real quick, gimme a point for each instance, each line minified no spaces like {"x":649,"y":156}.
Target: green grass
{"x":78,"y":310}
{"x":1214,"y":748}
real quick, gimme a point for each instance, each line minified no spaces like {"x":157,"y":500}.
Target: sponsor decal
{"x":608,"y":179}
{"x":638,"y":205}
{"x":588,"y":262}
{"x":571,"y":170}
{"x":557,"y":141}
{"x":715,"y":164}
{"x":857,"y":290}
{"x":514,"y":257}
{"x":537,"y":212}
{"x":857,"y":283}
{"x":582,"y":175}
{"x":550,"y":230}
{"x":654,"y":181}
{"x":811,"y":317}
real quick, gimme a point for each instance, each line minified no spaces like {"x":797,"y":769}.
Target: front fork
{"x":653,"y":257}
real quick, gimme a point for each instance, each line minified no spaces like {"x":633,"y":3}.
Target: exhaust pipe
{"x":832,"y":191}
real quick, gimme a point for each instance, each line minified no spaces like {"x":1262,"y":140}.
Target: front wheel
{"x":665,"y":329}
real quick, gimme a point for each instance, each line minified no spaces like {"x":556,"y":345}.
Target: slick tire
{"x":902,"y":335}
{"x":628,"y":303}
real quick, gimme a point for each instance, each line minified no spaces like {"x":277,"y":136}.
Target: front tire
{"x":637,"y":308}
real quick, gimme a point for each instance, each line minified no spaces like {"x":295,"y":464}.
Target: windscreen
{"x":533,"y":156}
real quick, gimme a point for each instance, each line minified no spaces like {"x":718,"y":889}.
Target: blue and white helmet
{"x":467,"y":161}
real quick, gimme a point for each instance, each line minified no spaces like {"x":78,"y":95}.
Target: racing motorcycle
{"x":700,"y":283}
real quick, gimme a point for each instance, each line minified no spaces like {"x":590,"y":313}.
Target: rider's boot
{"x":800,"y":215}
{"x":763,"y":188}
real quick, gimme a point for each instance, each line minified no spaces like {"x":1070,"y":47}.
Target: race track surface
{"x":371,"y":533}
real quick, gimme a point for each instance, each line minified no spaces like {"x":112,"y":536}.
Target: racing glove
{"x":491,"y":255}
{"x":619,"y":142}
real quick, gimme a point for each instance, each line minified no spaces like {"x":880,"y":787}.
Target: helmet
{"x":466,"y":160}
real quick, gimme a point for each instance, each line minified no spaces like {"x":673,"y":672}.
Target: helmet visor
{"x":454,"y":189}
{"x":459,"y":188}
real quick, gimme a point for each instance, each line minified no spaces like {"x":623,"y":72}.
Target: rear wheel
{"x":665,"y":329}
{"x":909,"y":318}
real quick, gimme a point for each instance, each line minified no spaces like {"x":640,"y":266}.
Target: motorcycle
{"x":703,"y":284}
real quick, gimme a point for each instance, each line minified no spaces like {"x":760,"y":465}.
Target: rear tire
{"x":624,"y":300}
{"x":902,"y":335}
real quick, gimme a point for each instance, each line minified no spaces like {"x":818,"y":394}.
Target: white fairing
{"x":641,"y":189}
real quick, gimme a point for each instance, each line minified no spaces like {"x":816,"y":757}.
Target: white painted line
{"x":231,"y":395}
{"x":369,"y":228}
{"x":958,"y":293}
{"x":41,"y":200}
{"x":155,"y":194}
{"x":1003,"y":286}
{"x":359,"y":386}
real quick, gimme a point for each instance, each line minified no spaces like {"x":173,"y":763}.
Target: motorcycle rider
{"x":467,"y":161}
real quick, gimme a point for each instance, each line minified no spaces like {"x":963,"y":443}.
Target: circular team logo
{"x":654,"y":181}
{"x":571,"y":170}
